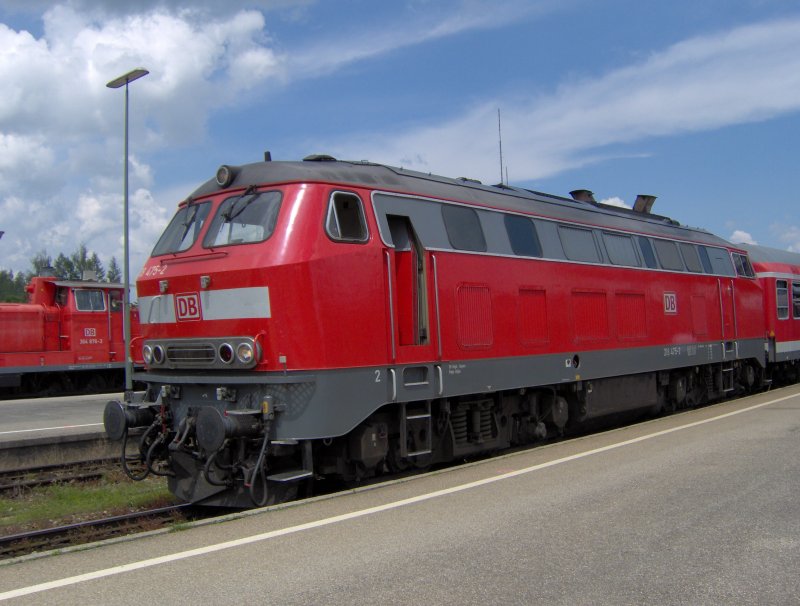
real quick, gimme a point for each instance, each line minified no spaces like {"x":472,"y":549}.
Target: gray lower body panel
{"x":331,"y":403}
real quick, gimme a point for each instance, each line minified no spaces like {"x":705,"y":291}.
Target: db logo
{"x":670,"y":303}
{"x":187,"y":307}
{"x":89,"y":332}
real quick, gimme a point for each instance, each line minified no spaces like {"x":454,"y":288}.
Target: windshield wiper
{"x":233,"y":212}
{"x":189,"y":221}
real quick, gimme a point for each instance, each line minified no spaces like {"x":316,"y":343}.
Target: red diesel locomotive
{"x":325,"y":318}
{"x":66,"y":339}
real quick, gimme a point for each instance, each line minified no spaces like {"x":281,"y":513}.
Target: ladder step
{"x":290,"y":476}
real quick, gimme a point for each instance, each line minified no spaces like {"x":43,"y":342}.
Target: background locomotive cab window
{"x":668,"y":255}
{"x":578,"y":244}
{"x":782,"y":298}
{"x":183,"y":230}
{"x":90,"y":300}
{"x":115,"y":300}
{"x":244,"y":219}
{"x":463,"y":228}
{"x":345,"y":222}
{"x":523,"y":237}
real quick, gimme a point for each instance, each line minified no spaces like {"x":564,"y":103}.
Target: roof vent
{"x":644,"y":203}
{"x":582,"y":195}
{"x":267,"y":156}
{"x":319,"y":158}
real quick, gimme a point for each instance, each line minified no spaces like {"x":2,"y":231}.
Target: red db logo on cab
{"x":187,"y":307}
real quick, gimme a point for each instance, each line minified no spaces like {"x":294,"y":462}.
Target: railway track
{"x":88,"y":531}
{"x":12,"y":483}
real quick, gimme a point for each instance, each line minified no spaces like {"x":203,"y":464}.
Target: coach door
{"x":409,"y":269}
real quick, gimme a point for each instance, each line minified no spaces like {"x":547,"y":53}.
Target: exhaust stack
{"x":644,"y":203}
{"x":582,"y":195}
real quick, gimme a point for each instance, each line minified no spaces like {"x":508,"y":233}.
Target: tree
{"x":12,"y":289}
{"x":65,"y":268}
{"x":114,"y":273}
{"x":41,"y":261}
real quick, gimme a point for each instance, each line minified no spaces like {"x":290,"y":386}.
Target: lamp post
{"x":124,"y":80}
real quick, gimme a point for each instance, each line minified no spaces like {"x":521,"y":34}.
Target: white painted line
{"x":5,"y":433}
{"x":183,"y":555}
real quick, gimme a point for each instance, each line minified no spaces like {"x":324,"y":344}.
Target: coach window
{"x":796,"y":300}
{"x":668,"y":255}
{"x":690,"y":257}
{"x":345,"y":221}
{"x":90,"y":300}
{"x":463,"y":228}
{"x":183,"y":230}
{"x":578,"y":244}
{"x":620,"y":249}
{"x":647,"y":252}
{"x":523,"y":237}
{"x":782,"y":298}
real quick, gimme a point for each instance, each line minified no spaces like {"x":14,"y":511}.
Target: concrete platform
{"x":695,"y":508}
{"x":44,"y":431}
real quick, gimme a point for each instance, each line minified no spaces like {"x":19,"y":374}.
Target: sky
{"x":697,"y":103}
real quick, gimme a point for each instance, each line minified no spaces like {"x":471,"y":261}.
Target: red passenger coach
{"x":326,"y":318}
{"x":779,"y":273}
{"x":67,"y":338}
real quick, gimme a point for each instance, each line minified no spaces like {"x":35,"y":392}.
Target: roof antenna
{"x":500,"y":140}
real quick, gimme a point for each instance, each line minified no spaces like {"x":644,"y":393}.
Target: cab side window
{"x":345,"y":221}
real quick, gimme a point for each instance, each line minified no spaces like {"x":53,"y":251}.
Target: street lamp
{"x":124,"y":80}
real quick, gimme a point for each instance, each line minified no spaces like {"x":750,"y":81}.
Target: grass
{"x":68,"y":503}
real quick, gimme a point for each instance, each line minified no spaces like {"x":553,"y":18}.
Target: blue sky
{"x":695,"y":102}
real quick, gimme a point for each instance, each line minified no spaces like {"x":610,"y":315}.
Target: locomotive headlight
{"x":158,"y":355}
{"x":245,"y":353}
{"x":147,"y":354}
{"x":226,"y":353}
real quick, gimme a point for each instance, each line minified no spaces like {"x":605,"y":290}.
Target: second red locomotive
{"x":326,"y":318}
{"x":66,"y":339}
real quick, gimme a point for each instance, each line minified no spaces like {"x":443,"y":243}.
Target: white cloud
{"x":788,"y":236}
{"x":616,"y":201}
{"x":744,"y":75}
{"x":741,"y":237}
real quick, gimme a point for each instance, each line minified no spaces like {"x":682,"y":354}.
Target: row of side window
{"x":582,"y":244}
{"x":540,"y":238}
{"x":782,"y":290}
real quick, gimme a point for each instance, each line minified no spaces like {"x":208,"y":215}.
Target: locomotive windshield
{"x":183,"y":230}
{"x":242,"y":219}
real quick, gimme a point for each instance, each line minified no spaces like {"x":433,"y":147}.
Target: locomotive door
{"x":408,"y":265}
{"x":89,"y":326}
{"x":727,"y":307}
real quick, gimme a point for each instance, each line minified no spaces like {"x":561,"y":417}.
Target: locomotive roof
{"x":503,"y":197}
{"x":87,"y":284}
